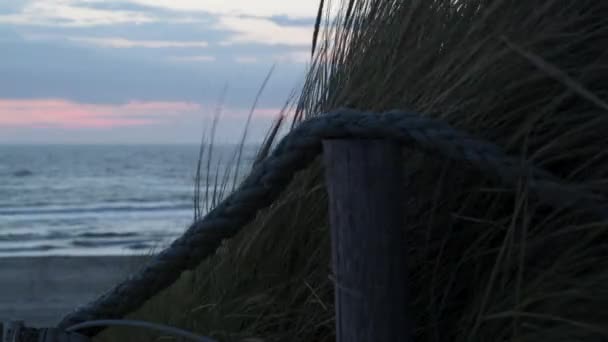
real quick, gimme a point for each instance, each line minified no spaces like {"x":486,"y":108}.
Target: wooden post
{"x":364,"y":182}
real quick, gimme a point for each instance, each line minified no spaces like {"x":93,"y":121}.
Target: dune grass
{"x":488,"y":263}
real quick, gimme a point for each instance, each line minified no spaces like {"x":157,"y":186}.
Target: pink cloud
{"x":67,"y":114}
{"x":267,"y":113}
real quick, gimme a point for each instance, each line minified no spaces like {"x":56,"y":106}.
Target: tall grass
{"x":488,"y":263}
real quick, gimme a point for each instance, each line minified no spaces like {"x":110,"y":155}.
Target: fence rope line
{"x":297,"y":150}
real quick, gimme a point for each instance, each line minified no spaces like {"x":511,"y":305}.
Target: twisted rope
{"x":295,"y":151}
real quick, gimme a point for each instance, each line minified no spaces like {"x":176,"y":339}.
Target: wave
{"x":107,"y":242}
{"x":22,"y":173}
{"x":140,"y":246}
{"x":46,"y":200}
{"x":94,"y":209}
{"x":106,"y":235}
{"x":37,"y":248}
{"x":28,"y":236}
{"x":20,"y":237}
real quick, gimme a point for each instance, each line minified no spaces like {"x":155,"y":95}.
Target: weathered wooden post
{"x":364,"y":180}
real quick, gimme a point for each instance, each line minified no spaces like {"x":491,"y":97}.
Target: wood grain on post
{"x":364,"y":181}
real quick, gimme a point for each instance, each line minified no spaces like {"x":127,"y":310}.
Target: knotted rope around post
{"x":297,"y":150}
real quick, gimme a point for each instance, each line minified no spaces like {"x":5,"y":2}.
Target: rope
{"x":132,"y":323}
{"x":295,"y":151}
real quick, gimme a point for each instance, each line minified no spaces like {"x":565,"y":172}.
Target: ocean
{"x":98,"y":200}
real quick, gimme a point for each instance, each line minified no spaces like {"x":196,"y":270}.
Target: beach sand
{"x":41,"y":290}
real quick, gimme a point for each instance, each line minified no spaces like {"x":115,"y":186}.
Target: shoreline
{"x":40,"y":290}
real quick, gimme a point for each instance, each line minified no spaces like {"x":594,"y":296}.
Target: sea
{"x":101,"y":199}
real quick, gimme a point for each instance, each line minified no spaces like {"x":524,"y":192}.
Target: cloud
{"x":62,"y":121}
{"x":284,"y":20}
{"x":79,"y":19}
{"x":245,"y":59}
{"x":69,"y":114}
{"x":151,"y":61}
{"x":118,"y":42}
{"x":264,"y":8}
{"x":290,"y":57}
{"x":82,"y":13}
{"x":66,"y":114}
{"x":60,"y":69}
{"x":263,"y":31}
{"x":69,"y":64}
{"x":302,"y":56}
{"x":68,"y":13}
{"x":7,"y":7}
{"x":197,"y":58}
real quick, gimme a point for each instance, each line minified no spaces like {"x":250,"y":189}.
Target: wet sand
{"x":41,"y":290}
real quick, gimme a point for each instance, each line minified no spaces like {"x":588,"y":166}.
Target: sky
{"x":146,"y":71}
